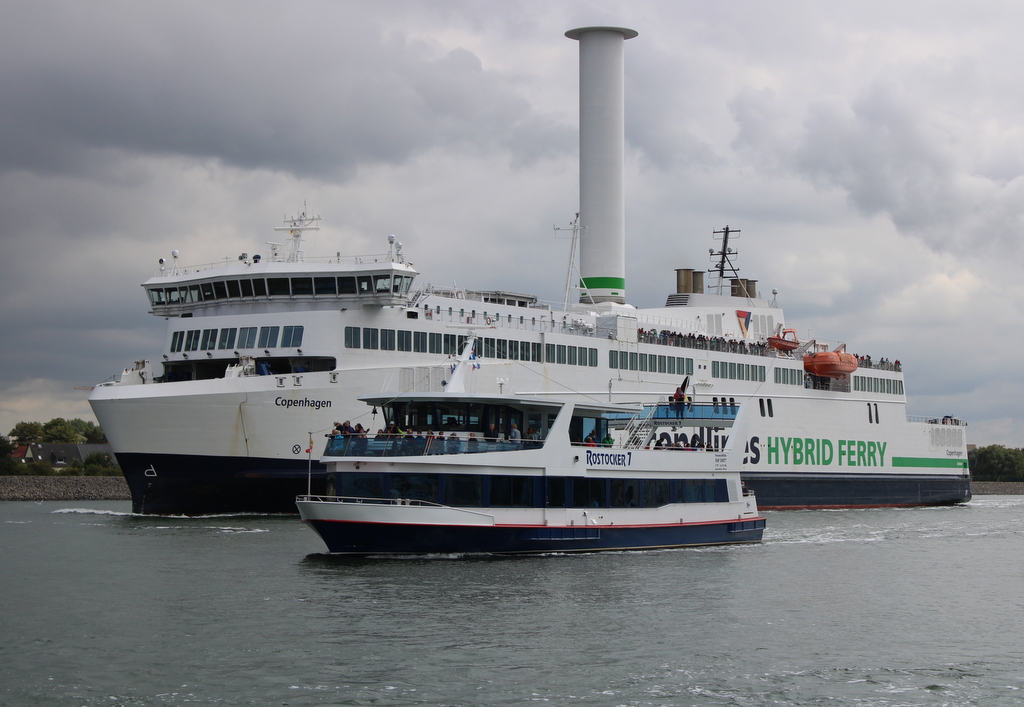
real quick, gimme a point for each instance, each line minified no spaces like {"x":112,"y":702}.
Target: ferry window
{"x":656,"y":492}
{"x":625,"y":493}
{"x":877,"y":421}
{"x":220,"y":290}
{"x":761,"y":401}
{"x":549,"y":353}
{"x":588,"y":493}
{"x":207,"y":289}
{"x":383,"y":283}
{"x":302,"y":285}
{"x":352,"y":337}
{"x":555,"y":496}
{"x":156,"y":297}
{"x":643,"y":362}
{"x":193,"y":294}
{"x":347,"y":286}
{"x":325,"y":286}
{"x":268,"y":336}
{"x":418,"y":487}
{"x":434,"y":343}
{"x":387,"y":339}
{"x":771,"y":411}
{"x":560,"y":353}
{"x":259,"y":287}
{"x":246,"y":287}
{"x":396,"y":284}
{"x":419,"y":341}
{"x":278,"y":286}
{"x":192,"y":340}
{"x":370,"y":338}
{"x":501,"y":348}
{"x":405,"y":341}
{"x":693,"y":491}
{"x":670,"y":365}
{"x":633,"y":360}
{"x":662,"y":364}
{"x":535,"y":351}
{"x":732,"y":371}
{"x":511,"y":491}
{"x":177,"y":339}
{"x":365,"y":284}
{"x":613,"y":359}
{"x":247,"y":337}
{"x":291,"y":337}
{"x":227,"y":339}
{"x":464,"y":490}
{"x":233,"y":289}
{"x":571,"y":358}
{"x":513,"y":350}
{"x":176,"y":295}
{"x":449,"y":344}
{"x":360,"y":485}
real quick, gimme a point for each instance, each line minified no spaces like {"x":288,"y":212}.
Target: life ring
{"x":489,"y":321}
{"x":430,"y":314}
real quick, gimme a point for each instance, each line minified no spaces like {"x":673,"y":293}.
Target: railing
{"x":946,"y":420}
{"x":408,"y":446}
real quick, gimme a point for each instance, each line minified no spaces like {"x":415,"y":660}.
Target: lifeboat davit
{"x":830,"y":364}
{"x":783,"y":342}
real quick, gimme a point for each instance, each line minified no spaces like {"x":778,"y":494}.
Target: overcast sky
{"x":871,"y":152}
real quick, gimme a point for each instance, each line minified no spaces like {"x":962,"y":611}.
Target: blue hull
{"x":781,"y":492}
{"x":200,"y":485}
{"x":407,"y":539}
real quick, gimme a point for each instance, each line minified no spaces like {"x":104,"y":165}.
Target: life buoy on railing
{"x":430,"y":314}
{"x":489,"y":321}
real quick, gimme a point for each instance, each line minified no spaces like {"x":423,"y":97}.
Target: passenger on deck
{"x":472,"y":444}
{"x":608,"y":440}
{"x":491,"y":435}
{"x":454,"y":446}
{"x":515,"y":437}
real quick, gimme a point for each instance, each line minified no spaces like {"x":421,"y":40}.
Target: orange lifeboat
{"x":830,"y":364}
{"x":782,"y":342}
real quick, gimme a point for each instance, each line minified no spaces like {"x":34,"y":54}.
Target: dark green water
{"x":868,"y":607}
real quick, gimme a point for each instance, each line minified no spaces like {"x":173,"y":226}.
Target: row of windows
{"x":480,"y":491}
{"x":429,"y":342}
{"x":737,"y":371}
{"x":878,"y":385}
{"x":789,"y":376}
{"x":247,"y":338}
{"x":656,"y":363}
{"x":372,"y":284}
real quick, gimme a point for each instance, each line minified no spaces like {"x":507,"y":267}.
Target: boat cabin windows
{"x":889,"y":386}
{"x":499,"y":491}
{"x":789,"y":376}
{"x":210,"y":339}
{"x":376,"y":285}
{"x":737,"y":371}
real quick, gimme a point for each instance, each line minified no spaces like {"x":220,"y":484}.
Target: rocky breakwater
{"x":63,"y":488}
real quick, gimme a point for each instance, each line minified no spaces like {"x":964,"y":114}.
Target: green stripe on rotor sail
{"x":603,"y":283}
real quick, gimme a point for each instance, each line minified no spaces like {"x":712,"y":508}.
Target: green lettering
{"x":798,"y":451}
{"x":842,"y":451}
{"x":786,"y":442}
{"x":809,"y":454}
{"x":871,"y":454}
{"x":860,"y":454}
{"x":881,"y":453}
{"x":826,"y":445}
{"x":773,"y":450}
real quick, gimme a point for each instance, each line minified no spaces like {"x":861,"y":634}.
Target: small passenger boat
{"x":830,"y":364}
{"x":565,"y":475}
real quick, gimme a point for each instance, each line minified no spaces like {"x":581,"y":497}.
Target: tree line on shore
{"x":56,"y":431}
{"x":996,"y":463}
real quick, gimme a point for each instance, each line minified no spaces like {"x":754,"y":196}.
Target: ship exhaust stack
{"x":602,"y":163}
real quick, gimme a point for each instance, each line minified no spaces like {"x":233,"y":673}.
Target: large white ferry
{"x":263,"y":352}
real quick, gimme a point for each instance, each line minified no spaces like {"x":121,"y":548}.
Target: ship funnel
{"x":602,"y":163}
